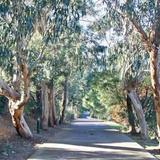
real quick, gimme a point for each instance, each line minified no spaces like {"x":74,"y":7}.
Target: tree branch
{"x":134,"y":22}
{"x":8,"y":92}
{"x":139,"y":28}
{"x":26,"y":82}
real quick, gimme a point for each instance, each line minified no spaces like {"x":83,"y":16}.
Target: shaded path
{"x":90,"y":139}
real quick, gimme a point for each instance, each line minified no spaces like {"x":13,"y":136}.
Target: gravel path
{"x":89,"y":139}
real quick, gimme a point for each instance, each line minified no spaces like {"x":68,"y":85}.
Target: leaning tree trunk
{"x":18,"y":120}
{"x":131,"y":117}
{"x":139,"y":112}
{"x":17,"y":101}
{"x":16,"y":109}
{"x":152,"y":45}
{"x":64,"y":100}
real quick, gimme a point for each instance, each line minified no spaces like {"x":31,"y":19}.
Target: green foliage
{"x":104,"y":92}
{"x":150,"y":115}
{"x":55,"y":44}
{"x":46,"y":34}
{"x":93,"y":104}
{"x":69,"y":115}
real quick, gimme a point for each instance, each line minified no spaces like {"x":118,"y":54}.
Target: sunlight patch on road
{"x":99,"y":147}
{"x":120,"y":144}
{"x":71,"y":147}
{"x":73,"y":151}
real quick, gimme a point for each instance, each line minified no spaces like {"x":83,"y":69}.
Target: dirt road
{"x":89,"y":139}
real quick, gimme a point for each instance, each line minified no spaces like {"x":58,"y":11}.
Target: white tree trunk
{"x":139,"y":111}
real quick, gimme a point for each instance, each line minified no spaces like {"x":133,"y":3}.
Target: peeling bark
{"x":139,"y":112}
{"x":152,"y":46}
{"x":18,"y":120}
{"x":154,"y":64}
{"x":17,"y":101}
{"x":16,"y":109}
{"x":48,"y":106}
{"x":155,"y":85}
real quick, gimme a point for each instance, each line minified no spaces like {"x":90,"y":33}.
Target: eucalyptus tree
{"x":19,"y":21}
{"x":119,"y":19}
{"x":70,"y":56}
{"x":144,"y":16}
{"x":123,"y":52}
{"x":16,"y":33}
{"x":134,"y":75}
{"x":60,"y":60}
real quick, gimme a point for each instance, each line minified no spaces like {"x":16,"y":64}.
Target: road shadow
{"x":91,"y":139}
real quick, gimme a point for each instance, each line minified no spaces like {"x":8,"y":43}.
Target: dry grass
{"x":117,"y":113}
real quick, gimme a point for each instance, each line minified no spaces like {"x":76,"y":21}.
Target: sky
{"x":89,"y":19}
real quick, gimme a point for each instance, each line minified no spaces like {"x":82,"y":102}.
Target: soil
{"x":150,"y":145}
{"x":12,"y":146}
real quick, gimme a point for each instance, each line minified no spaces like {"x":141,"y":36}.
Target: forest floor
{"x":150,"y":145}
{"x":14,"y":147}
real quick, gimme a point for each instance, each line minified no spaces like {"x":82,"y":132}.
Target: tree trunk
{"x":52,"y":111}
{"x":54,"y":107}
{"x":18,"y":120}
{"x":39,"y":101}
{"x":17,"y":101}
{"x":131,"y":118}
{"x":152,"y":45}
{"x":155,"y":84}
{"x":139,"y":111}
{"x":16,"y":109}
{"x":64,"y":100}
{"x":48,"y":106}
{"x":16,"y":106}
{"x":154,"y":52}
{"x":45,"y":107}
